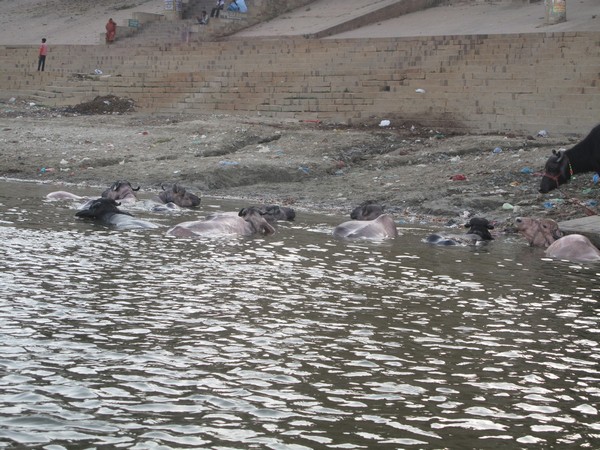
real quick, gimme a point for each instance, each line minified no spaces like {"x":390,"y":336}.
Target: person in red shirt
{"x":111,"y":30}
{"x":42,"y":55}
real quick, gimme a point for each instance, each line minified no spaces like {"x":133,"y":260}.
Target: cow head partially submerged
{"x":254,"y":217}
{"x":480,"y":226}
{"x":538,"y":232}
{"x":478,"y":233}
{"x":273,"y":213}
{"x":180,"y":196}
{"x":368,"y":210}
{"x":106,"y":211}
{"x":121,"y":190}
{"x":100,"y":208}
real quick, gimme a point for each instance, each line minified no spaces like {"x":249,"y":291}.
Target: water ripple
{"x":134,"y":340}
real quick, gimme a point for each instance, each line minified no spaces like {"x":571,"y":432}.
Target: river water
{"x":131,"y":339}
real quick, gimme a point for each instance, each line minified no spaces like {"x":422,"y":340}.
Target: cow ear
{"x":560,"y":156}
{"x":242,"y":212}
{"x":490,"y":226}
{"x":468,"y":224}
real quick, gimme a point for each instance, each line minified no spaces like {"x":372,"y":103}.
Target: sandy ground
{"x":421,"y":175}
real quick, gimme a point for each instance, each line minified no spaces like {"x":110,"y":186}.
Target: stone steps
{"x":488,"y":83}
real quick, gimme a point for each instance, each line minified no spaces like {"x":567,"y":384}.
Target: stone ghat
{"x":477,"y":83}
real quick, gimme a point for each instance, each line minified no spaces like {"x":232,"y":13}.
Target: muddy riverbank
{"x":420,"y":174}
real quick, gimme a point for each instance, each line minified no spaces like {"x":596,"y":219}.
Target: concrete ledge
{"x":588,"y":226}
{"x":398,"y":9}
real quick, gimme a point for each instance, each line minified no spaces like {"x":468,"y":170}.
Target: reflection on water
{"x":134,"y":340}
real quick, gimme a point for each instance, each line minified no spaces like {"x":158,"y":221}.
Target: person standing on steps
{"x":42,"y":55}
{"x":111,"y":30}
{"x":217,"y":9}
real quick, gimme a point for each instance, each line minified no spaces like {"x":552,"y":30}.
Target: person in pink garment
{"x":42,"y":55}
{"x":111,"y":30}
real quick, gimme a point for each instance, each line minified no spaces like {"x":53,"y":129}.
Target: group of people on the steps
{"x":234,"y":5}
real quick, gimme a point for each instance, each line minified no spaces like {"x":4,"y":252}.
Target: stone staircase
{"x":495,"y":83}
{"x":483,"y":83}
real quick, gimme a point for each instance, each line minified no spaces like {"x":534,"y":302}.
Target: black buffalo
{"x":479,"y":231}
{"x":106,"y":211}
{"x":562,"y":165}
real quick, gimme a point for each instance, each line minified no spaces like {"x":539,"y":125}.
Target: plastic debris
{"x":497,"y":150}
{"x":591,"y":203}
{"x":12,"y":100}
{"x":458,"y":177}
{"x":542,"y":133}
{"x":507,"y":206}
{"x":420,"y":91}
{"x":527,"y":170}
{"x":549,"y":205}
{"x":228,"y":163}
{"x":595,"y":178}
{"x":384,"y":123}
{"x":98,"y":72}
{"x":304,"y":169}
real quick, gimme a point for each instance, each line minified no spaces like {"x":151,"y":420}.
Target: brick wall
{"x":482,"y":83}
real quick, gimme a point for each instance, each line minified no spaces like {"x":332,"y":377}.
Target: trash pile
{"x":107,"y":104}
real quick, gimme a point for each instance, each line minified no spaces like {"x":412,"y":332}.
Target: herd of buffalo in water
{"x":368,"y":220}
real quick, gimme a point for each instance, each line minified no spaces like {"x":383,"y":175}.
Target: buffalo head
{"x":180,"y":196}
{"x":367,"y":210}
{"x":100,"y":208}
{"x":480,"y":227}
{"x":254,"y":217}
{"x":273,"y":213}
{"x":557,"y":171}
{"x":121,"y":190}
